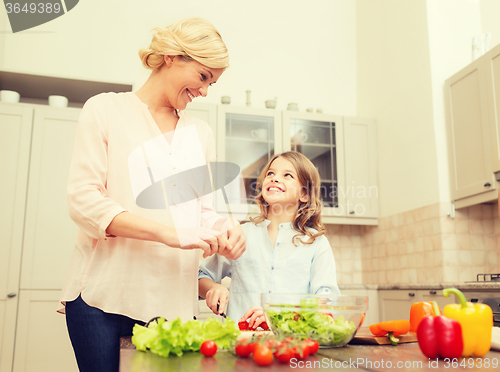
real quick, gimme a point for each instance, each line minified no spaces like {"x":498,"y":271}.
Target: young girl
{"x":286,"y":249}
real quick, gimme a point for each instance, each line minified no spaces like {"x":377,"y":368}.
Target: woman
{"x":127,"y":266}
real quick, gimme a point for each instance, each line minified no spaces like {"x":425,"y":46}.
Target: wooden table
{"x":404,"y":357}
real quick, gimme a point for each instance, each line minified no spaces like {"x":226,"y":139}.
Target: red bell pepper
{"x":440,"y":336}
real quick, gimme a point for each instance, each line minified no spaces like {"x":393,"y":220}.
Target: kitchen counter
{"x":406,"y":357}
{"x":470,"y":286}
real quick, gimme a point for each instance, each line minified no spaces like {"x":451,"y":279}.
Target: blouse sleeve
{"x":215,"y":267}
{"x":323,"y":271}
{"x":88,"y":204}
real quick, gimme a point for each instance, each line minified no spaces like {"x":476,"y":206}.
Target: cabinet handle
{"x":411,"y":294}
{"x":10,"y":295}
{"x":432,"y":292}
{"x":351,"y":212}
{"x":487,"y":184}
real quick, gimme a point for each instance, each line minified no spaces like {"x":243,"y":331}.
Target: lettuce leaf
{"x":175,"y":337}
{"x":314,"y":325}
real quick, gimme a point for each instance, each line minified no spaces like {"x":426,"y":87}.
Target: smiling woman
{"x":125,"y":268}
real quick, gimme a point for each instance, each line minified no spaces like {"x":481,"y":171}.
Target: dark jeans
{"x":95,"y":336}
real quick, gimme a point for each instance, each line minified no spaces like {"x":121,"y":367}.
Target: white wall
{"x":295,"y":50}
{"x":394,"y":87}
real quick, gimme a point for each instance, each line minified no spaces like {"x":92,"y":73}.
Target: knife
{"x":223,"y":315}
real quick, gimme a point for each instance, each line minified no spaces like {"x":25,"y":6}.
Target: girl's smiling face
{"x":186,"y":80}
{"x":281,"y":186}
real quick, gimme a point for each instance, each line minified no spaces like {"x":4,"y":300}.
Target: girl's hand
{"x":235,"y":242}
{"x":217,"y":298}
{"x":256,"y":315}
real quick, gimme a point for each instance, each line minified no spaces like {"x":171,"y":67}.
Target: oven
{"x":487,"y":296}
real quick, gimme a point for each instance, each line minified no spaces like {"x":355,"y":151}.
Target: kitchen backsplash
{"x":419,"y":246}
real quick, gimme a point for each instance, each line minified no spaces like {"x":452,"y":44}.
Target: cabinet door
{"x":361,"y":185}
{"x":206,"y":112}
{"x":249,"y":138}
{"x":396,"y":304}
{"x":320,"y":138}
{"x":15,"y":137}
{"x":469,"y":148}
{"x":42,"y":341}
{"x":493,"y":81}
{"x":49,"y":234}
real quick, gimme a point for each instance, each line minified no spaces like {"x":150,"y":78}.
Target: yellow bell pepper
{"x":476,"y":321}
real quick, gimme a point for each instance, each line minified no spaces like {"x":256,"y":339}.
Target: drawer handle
{"x":432,"y":292}
{"x":351,"y":212}
{"x":487,"y":184}
{"x":411,"y":294}
{"x":10,"y":295}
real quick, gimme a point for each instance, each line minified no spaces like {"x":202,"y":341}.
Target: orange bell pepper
{"x":393,"y":329}
{"x":418,"y":311}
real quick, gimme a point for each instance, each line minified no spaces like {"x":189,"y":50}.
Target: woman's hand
{"x":217,"y":298}
{"x":256,"y":315}
{"x":195,"y":238}
{"x":231,"y":242}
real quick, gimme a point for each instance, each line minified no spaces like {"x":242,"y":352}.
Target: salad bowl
{"x":332,"y":320}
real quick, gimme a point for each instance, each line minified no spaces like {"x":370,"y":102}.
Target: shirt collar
{"x":286,"y":225}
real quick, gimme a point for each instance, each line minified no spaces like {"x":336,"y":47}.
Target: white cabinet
{"x":39,"y":236}
{"x":42,"y":341}
{"x":473,"y":130}
{"x":396,"y":304}
{"x":15,"y":137}
{"x":343,"y":149}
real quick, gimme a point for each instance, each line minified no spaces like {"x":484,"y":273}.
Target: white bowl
{"x":58,"y":101}
{"x":271,"y":103}
{"x":9,"y":96}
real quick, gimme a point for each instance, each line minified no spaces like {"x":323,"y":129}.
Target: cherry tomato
{"x":313,"y":346}
{"x":284,"y":354}
{"x":243,"y":349}
{"x":208,"y":348}
{"x":263,"y":355}
{"x":301,"y":351}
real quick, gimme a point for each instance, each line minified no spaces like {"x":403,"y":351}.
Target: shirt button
{"x":272,"y":267}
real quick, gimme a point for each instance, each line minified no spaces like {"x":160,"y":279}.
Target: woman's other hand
{"x":195,"y":238}
{"x":217,"y":298}
{"x":231,"y":242}
{"x":256,"y":315}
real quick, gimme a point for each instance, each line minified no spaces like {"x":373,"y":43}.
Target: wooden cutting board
{"x":365,"y":337}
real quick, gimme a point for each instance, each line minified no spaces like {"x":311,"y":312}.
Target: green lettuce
{"x":175,"y":337}
{"x":314,"y":325}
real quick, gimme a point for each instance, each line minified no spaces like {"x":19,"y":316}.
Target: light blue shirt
{"x":307,"y":268}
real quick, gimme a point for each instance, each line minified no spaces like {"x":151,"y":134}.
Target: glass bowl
{"x":332,"y":320}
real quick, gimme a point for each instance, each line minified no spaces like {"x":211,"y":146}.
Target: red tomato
{"x":284,"y":354}
{"x":301,"y":351}
{"x":264,"y":326}
{"x":243,"y":326}
{"x":263,"y":355}
{"x":243,"y":349}
{"x":313,"y":346}
{"x":208,"y":348}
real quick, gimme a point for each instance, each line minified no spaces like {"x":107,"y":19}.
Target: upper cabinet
{"x":472,"y":103}
{"x":342,"y":149}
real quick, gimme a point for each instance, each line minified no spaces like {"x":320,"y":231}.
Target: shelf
{"x":35,"y":87}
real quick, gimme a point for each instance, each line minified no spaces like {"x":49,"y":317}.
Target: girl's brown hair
{"x":309,"y":212}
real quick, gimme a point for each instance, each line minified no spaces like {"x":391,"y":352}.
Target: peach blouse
{"x":138,"y":279}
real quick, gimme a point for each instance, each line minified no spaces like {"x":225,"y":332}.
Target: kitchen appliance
{"x":490,"y":297}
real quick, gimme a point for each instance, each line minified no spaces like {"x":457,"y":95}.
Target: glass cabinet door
{"x":315,"y":136}
{"x":250,"y":138}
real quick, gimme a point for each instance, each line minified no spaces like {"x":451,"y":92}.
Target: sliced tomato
{"x":244,"y":326}
{"x":264,"y":326}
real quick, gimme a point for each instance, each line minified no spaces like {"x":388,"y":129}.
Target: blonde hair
{"x":309,"y":212}
{"x":192,"y":39}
